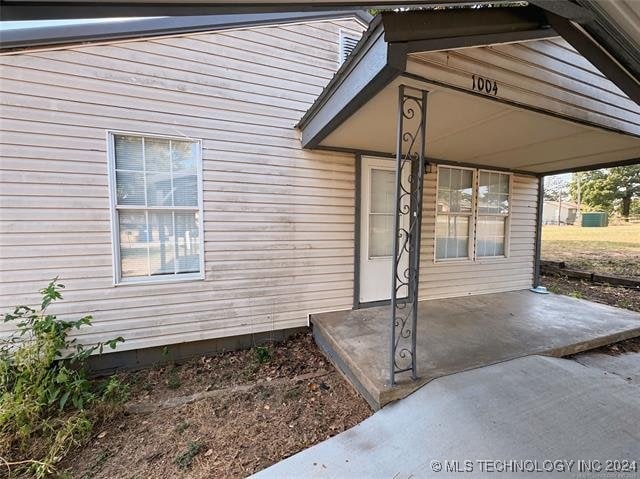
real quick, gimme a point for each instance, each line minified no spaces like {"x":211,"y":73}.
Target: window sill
{"x":491,"y":259}
{"x":481,"y":260}
{"x":453,"y":260}
{"x":148,"y":280}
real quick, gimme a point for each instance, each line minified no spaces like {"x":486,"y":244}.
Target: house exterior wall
{"x":278,"y":220}
{"x":451,"y":278}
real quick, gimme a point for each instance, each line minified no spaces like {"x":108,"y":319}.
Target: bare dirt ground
{"x":600,"y":293}
{"x":629,"y":346}
{"x":233,"y":433}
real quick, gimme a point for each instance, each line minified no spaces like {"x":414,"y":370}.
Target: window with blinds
{"x":156,"y":208}
{"x":493,"y":213}
{"x":454,"y":213}
{"x":472,"y":213}
{"x":347,"y":44}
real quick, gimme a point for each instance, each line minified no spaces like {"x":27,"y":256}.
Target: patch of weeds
{"x":293,"y":394}
{"x":263,"y":354}
{"x":148,"y":386}
{"x":182,"y":426}
{"x":173,"y":379}
{"x":624,"y":303}
{"x":554,"y":289}
{"x":576,"y":294}
{"x":49,"y":406}
{"x":114,"y":391}
{"x":184,"y":460}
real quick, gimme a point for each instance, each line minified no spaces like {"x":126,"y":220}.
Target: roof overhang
{"x":150,"y":27}
{"x":358,"y":109}
{"x":612,"y":26}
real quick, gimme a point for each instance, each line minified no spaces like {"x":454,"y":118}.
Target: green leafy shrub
{"x":184,"y":460}
{"x":263,"y":354}
{"x":45,"y":396}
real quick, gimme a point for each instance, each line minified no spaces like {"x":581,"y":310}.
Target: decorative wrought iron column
{"x":410,"y":167}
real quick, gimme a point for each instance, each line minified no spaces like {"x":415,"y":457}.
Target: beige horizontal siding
{"x":446,"y":279}
{"x":547,"y":73}
{"x":278,"y":220}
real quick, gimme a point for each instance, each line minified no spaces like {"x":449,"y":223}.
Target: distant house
{"x":201,"y":180}
{"x":559,"y":213}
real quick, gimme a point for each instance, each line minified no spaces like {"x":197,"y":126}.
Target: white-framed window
{"x":473,"y":210}
{"x":156,"y":207}
{"x":494,"y":211}
{"x":454,"y":213}
{"x":347,"y":43}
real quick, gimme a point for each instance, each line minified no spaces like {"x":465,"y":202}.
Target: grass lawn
{"x":614,"y":249}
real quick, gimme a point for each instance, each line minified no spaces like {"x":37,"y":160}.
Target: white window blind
{"x":347,"y":44}
{"x":157,"y":210}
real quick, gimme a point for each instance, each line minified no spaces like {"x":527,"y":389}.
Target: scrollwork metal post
{"x":410,"y":167}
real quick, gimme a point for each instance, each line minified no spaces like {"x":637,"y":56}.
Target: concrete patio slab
{"x":532,"y":412}
{"x":459,"y":334}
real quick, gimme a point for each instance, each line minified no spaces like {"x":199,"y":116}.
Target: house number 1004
{"x":485,"y":85}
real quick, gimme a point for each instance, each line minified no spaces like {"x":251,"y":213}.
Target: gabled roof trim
{"x":419,"y":33}
{"x":99,"y":32}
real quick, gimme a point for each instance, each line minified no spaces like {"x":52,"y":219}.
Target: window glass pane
{"x":490,"y":235}
{"x":383,"y":190}
{"x":156,"y":155}
{"x":455,"y":190}
{"x":187,"y":242}
{"x":493,"y":193}
{"x":161,"y":243}
{"x":444,"y":201}
{"x":129,"y":188}
{"x":184,"y":155}
{"x":133,"y":244}
{"x":185,"y":188}
{"x":504,"y":184}
{"x":452,"y":237}
{"x":444,"y":178}
{"x":128,"y":152}
{"x":503,"y":204}
{"x":159,"y":191}
{"x":380,"y":235}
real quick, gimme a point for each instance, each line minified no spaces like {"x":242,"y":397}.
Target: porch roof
{"x":532,"y":130}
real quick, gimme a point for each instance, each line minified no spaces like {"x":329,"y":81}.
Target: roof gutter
{"x":151,"y":27}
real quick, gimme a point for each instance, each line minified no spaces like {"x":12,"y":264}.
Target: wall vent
{"x":347,"y":44}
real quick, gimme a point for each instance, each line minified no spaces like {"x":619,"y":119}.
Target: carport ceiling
{"x":469,"y":129}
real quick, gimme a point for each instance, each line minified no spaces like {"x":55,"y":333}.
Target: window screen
{"x":157,"y":207}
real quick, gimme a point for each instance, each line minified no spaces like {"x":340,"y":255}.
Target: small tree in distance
{"x":608,"y":189}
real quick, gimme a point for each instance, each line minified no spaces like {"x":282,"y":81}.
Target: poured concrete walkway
{"x":464,"y":333}
{"x":537,"y":413}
